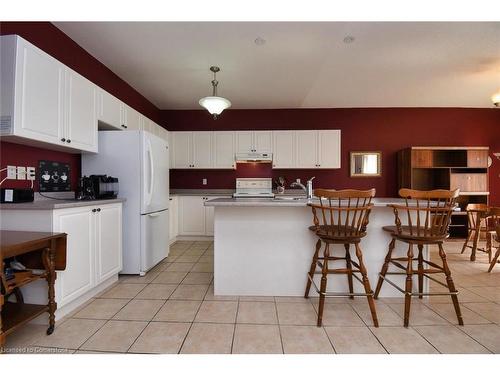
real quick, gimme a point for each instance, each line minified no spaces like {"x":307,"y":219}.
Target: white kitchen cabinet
{"x":191,"y":216}
{"x":131,"y":119}
{"x":307,"y":148}
{"x":263,"y":141}
{"x":284,"y":154}
{"x":81,"y":125}
{"x":173,"y":209}
{"x":43,"y":102}
{"x":312,"y":149}
{"x":223,"y":150}
{"x":194,"y":218}
{"x":93,"y":251}
{"x":109,"y":111}
{"x":192,"y":150}
{"x":254,"y":141}
{"x":202,"y":149}
{"x":78,"y":277}
{"x":329,"y":148}
{"x":182,"y":152}
{"x":108,"y":241}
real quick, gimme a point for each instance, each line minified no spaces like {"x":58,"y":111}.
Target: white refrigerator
{"x":140,"y":161}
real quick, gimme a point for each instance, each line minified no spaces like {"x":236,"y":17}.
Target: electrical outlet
{"x":11,"y":172}
{"x":297,"y":180}
{"x":204,"y":181}
{"x":30,"y":173}
{"x":21,"y":173}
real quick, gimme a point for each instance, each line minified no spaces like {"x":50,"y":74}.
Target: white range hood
{"x":254,"y":157}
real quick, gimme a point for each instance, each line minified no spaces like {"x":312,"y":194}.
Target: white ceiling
{"x":301,"y":65}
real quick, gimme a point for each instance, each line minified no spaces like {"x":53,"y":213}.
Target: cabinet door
{"x":477,"y":158}
{"x":39,"y":111}
{"x":422,"y":158}
{"x":284,"y":149}
{"x":108,"y":241}
{"x":209,"y":215}
{"x":78,"y":277}
{"x":307,"y":148}
{"x":202,"y":150}
{"x":109,"y":110}
{"x":182,"y":157}
{"x":263,"y":141}
{"x":244,"y":141}
{"x":131,"y":118}
{"x":147,"y":125}
{"x":223,"y":150}
{"x":174,"y":218}
{"x":191,"y":216}
{"x":469,"y":182}
{"x":81,"y":113}
{"x":329,"y":148}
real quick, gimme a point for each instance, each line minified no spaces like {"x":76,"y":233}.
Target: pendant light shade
{"x":214,"y":104}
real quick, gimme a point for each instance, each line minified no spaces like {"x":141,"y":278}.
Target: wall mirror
{"x":366,"y":164}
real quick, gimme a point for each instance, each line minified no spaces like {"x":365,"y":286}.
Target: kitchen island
{"x":263,"y":247}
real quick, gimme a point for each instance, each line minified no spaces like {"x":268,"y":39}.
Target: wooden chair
{"x":497,"y":253}
{"x":476,"y":224}
{"x":340,"y":217}
{"x":426,"y":216}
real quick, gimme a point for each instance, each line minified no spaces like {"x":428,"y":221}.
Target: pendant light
{"x":214,"y":104}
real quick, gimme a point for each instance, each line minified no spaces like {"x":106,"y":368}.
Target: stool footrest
{"x":339,"y":294}
{"x":417,"y":293}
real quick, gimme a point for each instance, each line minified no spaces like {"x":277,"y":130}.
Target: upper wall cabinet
{"x":42,"y":101}
{"x":110,"y":111}
{"x":192,"y":150}
{"x":311,"y":149}
{"x":224,"y":150}
{"x":291,"y":149}
{"x":254,"y":141}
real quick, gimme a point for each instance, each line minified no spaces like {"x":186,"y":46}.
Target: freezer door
{"x":154,"y":239}
{"x":155,"y":180}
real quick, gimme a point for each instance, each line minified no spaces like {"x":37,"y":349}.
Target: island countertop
{"x":284,"y":201}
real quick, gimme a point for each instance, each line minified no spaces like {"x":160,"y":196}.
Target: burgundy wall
{"x":57,"y":44}
{"x":372,"y":129}
{"x":20,"y":155}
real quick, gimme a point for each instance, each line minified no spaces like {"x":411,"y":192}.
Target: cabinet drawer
{"x":470,"y":182}
{"x":477,"y":158}
{"x":421,"y":158}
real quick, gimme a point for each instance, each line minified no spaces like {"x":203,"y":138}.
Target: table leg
{"x":49,"y":260}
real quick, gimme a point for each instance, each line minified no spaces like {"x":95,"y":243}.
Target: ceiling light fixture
{"x":495,"y":98}
{"x":349,"y":39}
{"x":260,"y":41}
{"x":214,"y":104}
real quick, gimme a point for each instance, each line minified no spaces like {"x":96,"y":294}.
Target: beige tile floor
{"x":173,"y":310}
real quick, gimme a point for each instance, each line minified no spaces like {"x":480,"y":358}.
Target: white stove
{"x":254,"y":188}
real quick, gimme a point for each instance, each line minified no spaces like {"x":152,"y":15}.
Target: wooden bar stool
{"x":340,"y":217}
{"x":427,"y":215}
{"x":477,"y":214}
{"x":497,"y":254}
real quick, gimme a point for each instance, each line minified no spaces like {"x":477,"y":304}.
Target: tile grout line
{"x":235,"y":322}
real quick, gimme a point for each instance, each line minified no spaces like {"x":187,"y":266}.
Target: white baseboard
{"x":194,"y":238}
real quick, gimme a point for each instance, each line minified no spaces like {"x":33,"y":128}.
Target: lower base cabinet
{"x":194,"y":218}
{"x":94,"y":244}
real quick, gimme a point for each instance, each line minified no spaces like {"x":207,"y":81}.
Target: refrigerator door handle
{"x":155,"y":214}
{"x":149,"y":194}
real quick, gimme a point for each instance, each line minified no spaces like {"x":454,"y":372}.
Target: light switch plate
{"x":204,"y":181}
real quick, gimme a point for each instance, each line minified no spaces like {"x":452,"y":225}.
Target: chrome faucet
{"x":308,"y":189}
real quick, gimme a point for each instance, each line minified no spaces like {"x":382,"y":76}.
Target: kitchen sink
{"x":292,"y":198}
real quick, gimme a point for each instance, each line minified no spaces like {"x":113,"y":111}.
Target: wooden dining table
{"x":42,"y":253}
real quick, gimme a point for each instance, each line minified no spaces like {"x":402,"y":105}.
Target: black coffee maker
{"x":98,"y":186}
{"x":85,"y":190}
